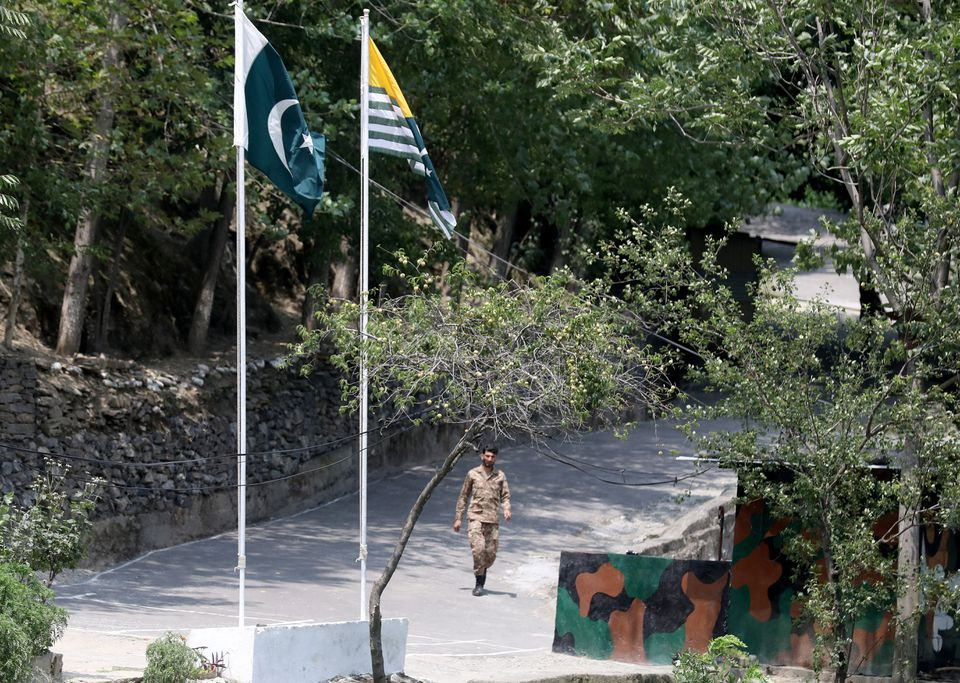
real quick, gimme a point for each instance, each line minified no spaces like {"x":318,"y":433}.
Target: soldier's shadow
{"x":487,"y":591}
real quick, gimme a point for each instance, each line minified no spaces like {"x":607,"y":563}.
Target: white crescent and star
{"x":307,"y":142}
{"x":275,"y":130}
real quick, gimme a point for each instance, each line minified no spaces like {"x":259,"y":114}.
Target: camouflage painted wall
{"x":939,"y":642}
{"x":644,"y":609}
{"x":636,"y":608}
{"x":764,"y":614}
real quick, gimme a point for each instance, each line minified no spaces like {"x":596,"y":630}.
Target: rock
{"x":47,"y":668}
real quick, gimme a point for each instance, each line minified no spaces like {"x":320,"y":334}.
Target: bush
{"x":170,"y":660}
{"x":48,"y":534}
{"x":725,"y":661}
{"x":29,"y":623}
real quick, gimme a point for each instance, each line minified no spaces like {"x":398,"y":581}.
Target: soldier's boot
{"x":478,"y":589}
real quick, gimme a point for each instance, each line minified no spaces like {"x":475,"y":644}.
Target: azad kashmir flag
{"x":268,"y":121}
{"x":393,"y":130}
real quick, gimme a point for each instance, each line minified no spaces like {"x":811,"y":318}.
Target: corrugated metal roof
{"x":792,"y":224}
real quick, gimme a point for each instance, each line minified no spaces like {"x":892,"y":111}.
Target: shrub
{"x":170,"y":660}
{"x":29,"y":622}
{"x":725,"y":661}
{"x":48,"y":535}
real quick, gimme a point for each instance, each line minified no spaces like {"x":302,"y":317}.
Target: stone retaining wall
{"x":113,"y":417}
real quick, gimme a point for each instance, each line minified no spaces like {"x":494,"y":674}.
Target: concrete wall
{"x":301,"y":653}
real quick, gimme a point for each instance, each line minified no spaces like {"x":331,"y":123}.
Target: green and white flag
{"x":268,"y":121}
{"x":394,"y":131}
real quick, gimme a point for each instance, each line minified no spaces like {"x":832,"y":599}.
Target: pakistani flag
{"x":394,"y":131}
{"x":269,"y":123}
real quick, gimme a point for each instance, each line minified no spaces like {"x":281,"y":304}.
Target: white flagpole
{"x":364,"y":286}
{"x":239,"y":106}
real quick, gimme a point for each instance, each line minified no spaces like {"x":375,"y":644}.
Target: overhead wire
{"x":225,"y":456}
{"x":184,"y":461}
{"x":214,"y":487}
{"x":647,"y":328}
{"x":567,"y":460}
{"x":585,"y":468}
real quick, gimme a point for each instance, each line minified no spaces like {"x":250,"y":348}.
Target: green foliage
{"x":8,"y":204}
{"x":48,"y":534}
{"x":823,"y":404}
{"x":29,"y":622}
{"x":853,"y":89}
{"x":504,"y":146}
{"x":500,"y":361}
{"x":572,"y":358}
{"x":725,"y":661}
{"x":12,"y":22}
{"x":170,"y":660}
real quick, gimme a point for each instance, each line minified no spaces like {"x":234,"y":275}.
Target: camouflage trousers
{"x":483,"y":542}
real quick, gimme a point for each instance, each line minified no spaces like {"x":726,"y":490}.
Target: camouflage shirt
{"x":489,"y":492}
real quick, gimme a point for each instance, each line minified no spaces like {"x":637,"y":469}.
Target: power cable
{"x":214,"y":487}
{"x":510,"y":265}
{"x":202,"y":489}
{"x":164,"y":463}
{"x":611,"y":470}
{"x":222,"y":456}
{"x":623,"y":482}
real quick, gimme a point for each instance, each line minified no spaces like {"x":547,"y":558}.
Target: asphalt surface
{"x":302,"y":568}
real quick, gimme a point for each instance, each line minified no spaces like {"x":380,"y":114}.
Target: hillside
{"x":146,"y":314}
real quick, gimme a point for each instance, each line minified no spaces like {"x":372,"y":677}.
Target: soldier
{"x":490,"y":491}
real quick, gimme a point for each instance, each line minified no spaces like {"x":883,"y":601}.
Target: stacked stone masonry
{"x":109,"y":419}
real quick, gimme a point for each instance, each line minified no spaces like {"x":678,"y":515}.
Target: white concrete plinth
{"x":301,"y":653}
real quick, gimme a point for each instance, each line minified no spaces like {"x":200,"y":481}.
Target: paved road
{"x":302,"y":568}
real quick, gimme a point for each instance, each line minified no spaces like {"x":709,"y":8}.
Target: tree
{"x":858,"y":89}
{"x":45,"y":535}
{"x":10,"y":23}
{"x":166,"y":142}
{"x":29,"y":621}
{"x":72,"y":310}
{"x":537,"y":194}
{"x":821,"y":402}
{"x":500,"y":361}
{"x":48,"y":534}
{"x":11,"y":223}
{"x":200,"y":321}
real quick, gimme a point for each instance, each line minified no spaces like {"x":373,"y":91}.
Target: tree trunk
{"x":566,"y":238}
{"x":317,"y":277}
{"x":11,"y":323}
{"x":73,"y":307}
{"x":840,"y":646}
{"x":508,"y":229}
{"x":462,"y":210}
{"x":908,"y":571}
{"x":200,"y":322}
{"x":345,"y":283}
{"x":906,"y":641}
{"x":908,"y":565}
{"x":110,"y":284}
{"x":376,"y":646}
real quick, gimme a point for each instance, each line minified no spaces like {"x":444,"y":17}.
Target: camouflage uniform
{"x":483,"y":517}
